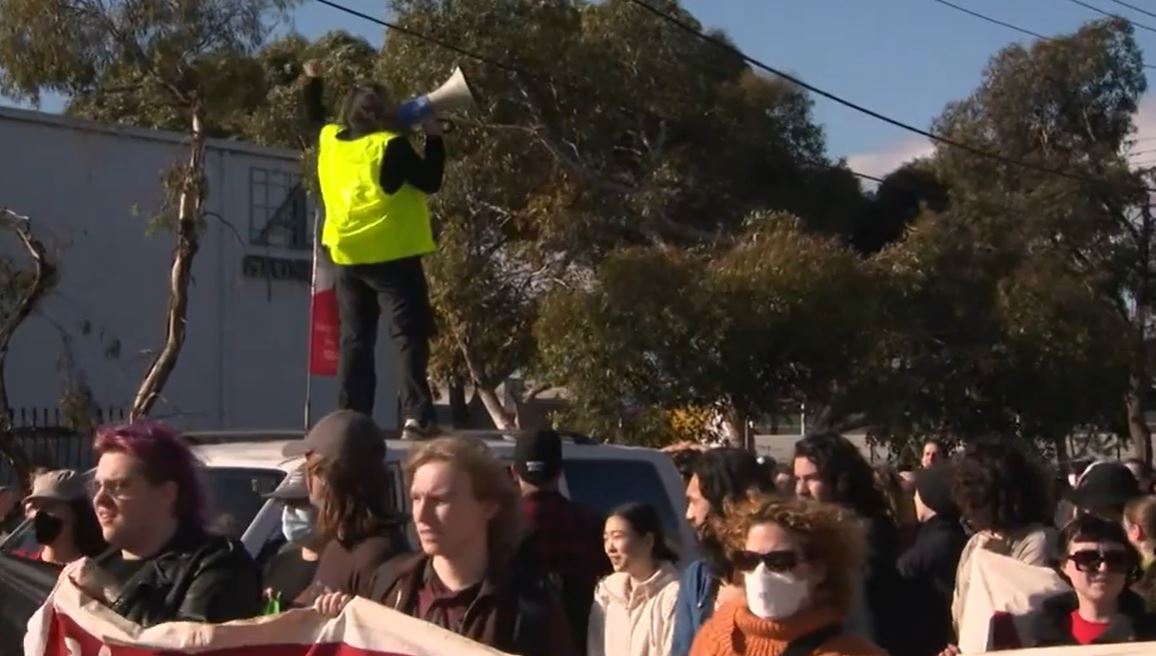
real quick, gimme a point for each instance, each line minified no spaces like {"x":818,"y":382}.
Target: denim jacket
{"x":694,"y":606}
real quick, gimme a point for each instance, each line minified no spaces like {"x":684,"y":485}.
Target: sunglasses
{"x":1118,"y":562}
{"x":775,"y":561}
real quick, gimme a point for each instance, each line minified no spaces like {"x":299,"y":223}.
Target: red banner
{"x":324,"y":319}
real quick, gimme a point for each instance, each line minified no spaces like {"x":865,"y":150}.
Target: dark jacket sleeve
{"x":312,"y":110}
{"x":920,"y":559}
{"x":402,"y":164}
{"x":225,"y":587}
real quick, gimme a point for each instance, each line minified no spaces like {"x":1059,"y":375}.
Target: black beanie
{"x":934,"y":487}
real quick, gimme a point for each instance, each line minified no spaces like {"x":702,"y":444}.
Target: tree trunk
{"x":1141,"y":437}
{"x":1134,"y":401}
{"x":43,"y":278}
{"x":459,"y":406}
{"x":502,"y":418}
{"x":188,"y":226}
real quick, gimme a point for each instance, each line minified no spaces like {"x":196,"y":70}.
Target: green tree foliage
{"x":780,"y":316}
{"x":1075,"y":283}
{"x":623,"y":137}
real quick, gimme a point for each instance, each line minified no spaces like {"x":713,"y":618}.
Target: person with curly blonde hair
{"x":799,"y":562}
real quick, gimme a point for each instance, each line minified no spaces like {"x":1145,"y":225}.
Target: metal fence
{"x":47,"y":442}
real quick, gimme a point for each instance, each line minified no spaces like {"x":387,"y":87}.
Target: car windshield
{"x":601,"y":485}
{"x":235,"y":496}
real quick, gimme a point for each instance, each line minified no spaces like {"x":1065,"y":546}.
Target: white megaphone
{"x":454,"y":95}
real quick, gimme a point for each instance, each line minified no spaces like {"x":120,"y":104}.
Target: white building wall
{"x":244,"y":360}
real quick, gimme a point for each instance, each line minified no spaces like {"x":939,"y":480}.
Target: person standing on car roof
{"x":377,"y":229}
{"x":562,"y":538}
{"x":63,"y":521}
{"x":350,"y":487}
{"x":721,"y":477}
{"x":164,"y":565}
{"x":290,"y":571}
{"x":466,"y":578}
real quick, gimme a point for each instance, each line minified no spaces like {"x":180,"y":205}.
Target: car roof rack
{"x":204,"y":438}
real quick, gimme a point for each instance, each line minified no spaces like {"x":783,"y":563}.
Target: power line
{"x":1134,"y":8}
{"x":1111,"y":15}
{"x":1010,"y":26}
{"x":994,"y":21}
{"x":718,"y":42}
{"x":485,"y":59}
{"x":530,"y":74}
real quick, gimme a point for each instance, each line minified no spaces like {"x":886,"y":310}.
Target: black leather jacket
{"x":196,"y":578}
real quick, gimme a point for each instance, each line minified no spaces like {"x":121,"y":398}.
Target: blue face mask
{"x":299,"y":524}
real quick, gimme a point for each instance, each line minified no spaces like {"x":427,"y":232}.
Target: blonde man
{"x":468,"y":521}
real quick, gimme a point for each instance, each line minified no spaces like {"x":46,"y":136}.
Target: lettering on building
{"x":276,"y":268}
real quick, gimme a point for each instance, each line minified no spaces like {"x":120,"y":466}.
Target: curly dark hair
{"x":726,"y":476}
{"x":844,"y":470}
{"x":998,"y":487}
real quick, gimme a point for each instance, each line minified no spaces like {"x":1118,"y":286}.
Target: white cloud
{"x":1146,"y":118}
{"x":891,"y":156}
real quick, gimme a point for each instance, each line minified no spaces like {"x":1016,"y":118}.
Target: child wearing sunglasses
{"x":799,"y":563}
{"x":1096,"y":557}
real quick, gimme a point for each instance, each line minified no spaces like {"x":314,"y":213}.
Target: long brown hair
{"x":489,"y":481}
{"x":368,"y":109}
{"x":355,"y":497}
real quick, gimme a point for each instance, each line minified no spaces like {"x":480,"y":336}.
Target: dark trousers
{"x":363,"y":290}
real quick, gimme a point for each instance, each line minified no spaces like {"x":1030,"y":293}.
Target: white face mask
{"x":774,"y":595}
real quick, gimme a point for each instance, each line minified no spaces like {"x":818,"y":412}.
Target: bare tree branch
{"x":43,"y":278}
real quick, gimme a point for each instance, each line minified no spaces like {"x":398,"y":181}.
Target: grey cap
{"x":59,"y":485}
{"x":292,"y":487}
{"x":341,"y":435}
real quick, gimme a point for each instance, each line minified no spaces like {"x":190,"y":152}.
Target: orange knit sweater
{"x":735,"y":631}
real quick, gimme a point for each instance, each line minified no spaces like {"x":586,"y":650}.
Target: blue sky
{"x":905,"y":58}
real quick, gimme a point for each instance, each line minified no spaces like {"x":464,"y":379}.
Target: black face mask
{"x":47,"y":527}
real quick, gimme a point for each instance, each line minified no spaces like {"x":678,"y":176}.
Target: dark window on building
{"x":278,"y":209}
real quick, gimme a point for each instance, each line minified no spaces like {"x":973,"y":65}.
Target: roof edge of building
{"x":145,"y":134}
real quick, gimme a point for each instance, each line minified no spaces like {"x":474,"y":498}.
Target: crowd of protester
{"x":825,"y":555}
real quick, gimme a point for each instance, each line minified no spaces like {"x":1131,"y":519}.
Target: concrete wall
{"x":90,"y":191}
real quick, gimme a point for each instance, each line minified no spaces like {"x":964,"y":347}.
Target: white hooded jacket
{"x":633,"y":619}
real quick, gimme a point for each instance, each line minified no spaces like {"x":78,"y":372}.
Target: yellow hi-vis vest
{"x":363,"y":224}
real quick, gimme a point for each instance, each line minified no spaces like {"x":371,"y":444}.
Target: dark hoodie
{"x":928,"y":572}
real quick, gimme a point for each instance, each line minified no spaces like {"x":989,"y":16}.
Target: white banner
{"x":72,"y":624}
{"x":1006,"y":590}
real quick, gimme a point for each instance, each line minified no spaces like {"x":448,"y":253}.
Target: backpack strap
{"x":806,"y":645}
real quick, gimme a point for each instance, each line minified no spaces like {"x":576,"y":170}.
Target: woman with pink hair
{"x":163,"y":564}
